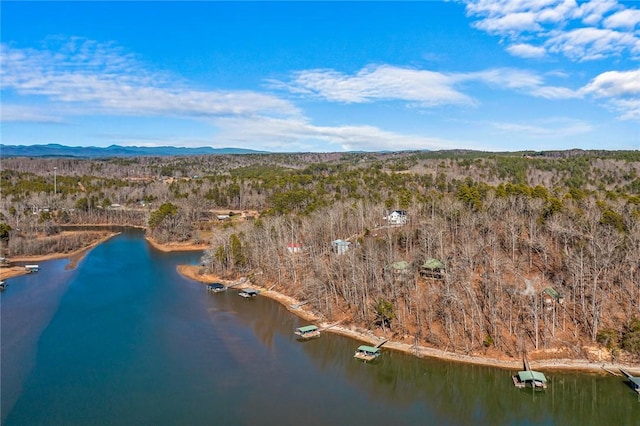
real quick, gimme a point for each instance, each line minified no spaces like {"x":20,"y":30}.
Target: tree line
{"x":506,"y":227}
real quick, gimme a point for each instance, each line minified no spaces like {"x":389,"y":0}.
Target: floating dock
{"x":535,"y":379}
{"x":528,"y":377}
{"x":367,"y":353}
{"x":307,"y":332}
{"x":32,"y":268}
{"x":216,"y":287}
{"x":248,"y":293}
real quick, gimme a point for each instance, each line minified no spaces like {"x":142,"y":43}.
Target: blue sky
{"x":497,"y":75}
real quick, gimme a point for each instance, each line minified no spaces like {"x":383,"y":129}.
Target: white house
{"x":396,"y":217}
{"x":340,"y":246}
{"x":294,"y":248}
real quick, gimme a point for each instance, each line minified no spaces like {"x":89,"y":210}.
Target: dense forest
{"x":471,"y":251}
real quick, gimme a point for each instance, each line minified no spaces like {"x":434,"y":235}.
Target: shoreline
{"x":367,"y":336}
{"x":171,"y":247}
{"x":295,"y":307}
{"x":74,"y":256}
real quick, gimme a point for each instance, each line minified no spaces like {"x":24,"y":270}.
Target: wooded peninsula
{"x":495,"y":254}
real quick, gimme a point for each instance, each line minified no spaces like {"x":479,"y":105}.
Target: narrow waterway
{"x":124,"y":339}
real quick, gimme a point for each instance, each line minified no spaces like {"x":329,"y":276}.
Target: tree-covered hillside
{"x":538,"y":250}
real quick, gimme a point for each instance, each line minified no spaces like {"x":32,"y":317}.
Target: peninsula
{"x":472,"y":256}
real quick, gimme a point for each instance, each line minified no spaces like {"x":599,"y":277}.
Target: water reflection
{"x":26,"y":307}
{"x":127,"y":340}
{"x":455,"y":393}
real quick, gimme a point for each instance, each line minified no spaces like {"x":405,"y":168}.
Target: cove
{"x":124,"y":339}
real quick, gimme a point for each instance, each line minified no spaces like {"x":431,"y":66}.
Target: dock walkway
{"x":633,"y":381}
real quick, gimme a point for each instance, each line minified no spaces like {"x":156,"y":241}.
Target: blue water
{"x":124,"y":339}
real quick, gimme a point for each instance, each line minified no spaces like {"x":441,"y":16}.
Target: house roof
{"x":551,"y":292}
{"x":340,"y":243}
{"x":400,"y":265}
{"x":432,"y":263}
{"x":526,"y":376}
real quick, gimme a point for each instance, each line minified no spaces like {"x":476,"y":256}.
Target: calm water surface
{"x":125,"y":340}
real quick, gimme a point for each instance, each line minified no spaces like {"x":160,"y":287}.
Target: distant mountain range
{"x":56,"y":150}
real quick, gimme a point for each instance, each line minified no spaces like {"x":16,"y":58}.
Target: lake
{"x":124,"y":339}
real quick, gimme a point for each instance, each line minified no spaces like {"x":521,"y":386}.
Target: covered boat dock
{"x":307,"y":332}
{"x":216,"y":287}
{"x":248,"y":293}
{"x":367,"y":353}
{"x":535,"y":379}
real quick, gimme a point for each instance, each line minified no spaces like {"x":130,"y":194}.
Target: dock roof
{"x":635,"y":381}
{"x":526,"y":376}
{"x":365,"y":348}
{"x":307,"y":328}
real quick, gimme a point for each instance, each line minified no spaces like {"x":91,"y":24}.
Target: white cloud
{"x":279,"y":134}
{"x":504,"y":78}
{"x":558,"y":13}
{"x":525,"y":50}
{"x":590,"y":31}
{"x":510,"y":17}
{"x":513,"y":23}
{"x":546,"y":129}
{"x":81,"y":77}
{"x":500,"y":7}
{"x":383,"y":82}
{"x":614,"y":84}
{"x":627,"y":19}
{"x":629,"y":109}
{"x":408,"y":85}
{"x":620,"y":90}
{"x":554,"y":92}
{"x":421,"y":88}
{"x":101,"y":78}
{"x":591,"y":12}
{"x":13,"y":113}
{"x":590,"y":43}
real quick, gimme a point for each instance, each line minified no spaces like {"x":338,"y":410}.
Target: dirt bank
{"x":10,"y":270}
{"x":75,"y":257}
{"x":185,"y":246}
{"x":297,"y":308}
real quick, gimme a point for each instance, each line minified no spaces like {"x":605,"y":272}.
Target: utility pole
{"x":55,"y":181}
